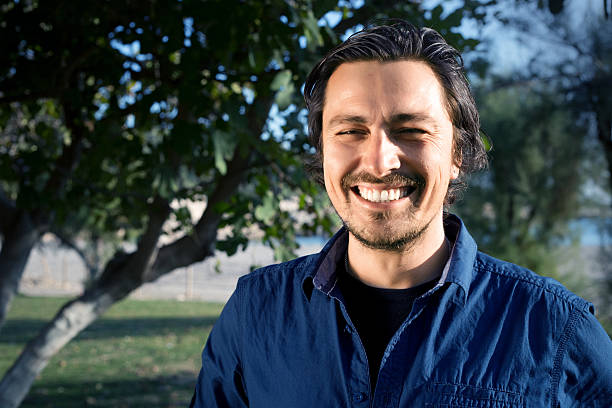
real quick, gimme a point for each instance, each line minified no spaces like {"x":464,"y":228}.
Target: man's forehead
{"x":402,"y":91}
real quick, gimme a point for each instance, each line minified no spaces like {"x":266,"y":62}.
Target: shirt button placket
{"x":360,"y":399}
{"x":357,"y":381}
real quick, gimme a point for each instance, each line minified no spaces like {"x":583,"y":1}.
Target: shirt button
{"x":360,"y":396}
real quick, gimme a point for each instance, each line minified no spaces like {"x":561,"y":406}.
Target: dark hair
{"x":403,"y":41}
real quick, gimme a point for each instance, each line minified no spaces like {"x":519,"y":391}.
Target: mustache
{"x":349,"y":180}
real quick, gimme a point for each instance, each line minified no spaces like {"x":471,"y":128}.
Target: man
{"x":399,"y":309}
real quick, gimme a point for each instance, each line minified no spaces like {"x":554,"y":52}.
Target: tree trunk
{"x":20,"y":236}
{"x":604,"y":134}
{"x":121,"y":276}
{"x":19,"y":239}
{"x":71,"y":319}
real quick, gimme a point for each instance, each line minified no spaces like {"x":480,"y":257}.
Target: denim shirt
{"x":489,"y":334}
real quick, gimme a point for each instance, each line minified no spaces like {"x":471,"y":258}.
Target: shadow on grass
{"x":164,"y":391}
{"x":20,"y":330}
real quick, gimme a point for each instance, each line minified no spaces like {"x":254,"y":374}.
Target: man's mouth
{"x":383,"y":196}
{"x":386,"y":189}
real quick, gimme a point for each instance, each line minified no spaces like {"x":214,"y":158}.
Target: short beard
{"x":401,"y":243}
{"x":394,"y":244}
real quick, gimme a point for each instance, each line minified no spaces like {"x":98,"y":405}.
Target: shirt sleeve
{"x":586,"y":370}
{"x":220,"y":381}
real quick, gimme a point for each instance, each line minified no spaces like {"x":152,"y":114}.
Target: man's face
{"x":387,"y":150}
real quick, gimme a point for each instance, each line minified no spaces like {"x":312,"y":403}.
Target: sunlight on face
{"x":387,"y":150}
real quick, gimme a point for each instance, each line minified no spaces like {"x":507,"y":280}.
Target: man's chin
{"x":386,"y":240}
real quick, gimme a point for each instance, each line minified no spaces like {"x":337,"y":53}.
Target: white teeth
{"x":378,"y":196}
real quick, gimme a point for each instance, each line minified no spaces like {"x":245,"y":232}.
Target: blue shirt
{"x":489,"y":334}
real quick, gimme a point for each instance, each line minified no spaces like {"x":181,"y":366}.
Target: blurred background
{"x":151,"y":152}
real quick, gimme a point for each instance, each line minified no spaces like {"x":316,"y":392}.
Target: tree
{"x":570,"y":52}
{"x":557,"y":6}
{"x":520,"y":208}
{"x":112,"y":113}
{"x":573,"y":56}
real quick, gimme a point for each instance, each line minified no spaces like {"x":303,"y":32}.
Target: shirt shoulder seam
{"x":560,"y":356}
{"x":266,"y":271}
{"x":559,"y":293}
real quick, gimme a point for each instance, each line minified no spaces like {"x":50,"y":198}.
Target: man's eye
{"x":410,"y":131}
{"x":351,"y":132}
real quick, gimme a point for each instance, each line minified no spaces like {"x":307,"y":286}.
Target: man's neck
{"x":421,"y":262}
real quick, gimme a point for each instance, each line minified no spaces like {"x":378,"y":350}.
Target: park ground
{"x":141,"y":353}
{"x":145,"y":351}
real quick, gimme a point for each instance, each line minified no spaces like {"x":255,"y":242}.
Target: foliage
{"x":519,"y":210}
{"x":571,"y":52}
{"x":158,"y":98}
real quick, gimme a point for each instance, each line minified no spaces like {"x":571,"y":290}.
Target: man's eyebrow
{"x":419,"y":117}
{"x":395,"y":120}
{"x":409,"y":117}
{"x":342,"y":119}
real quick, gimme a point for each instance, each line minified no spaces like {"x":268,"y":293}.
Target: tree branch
{"x":7,"y":209}
{"x":125,"y":272}
{"x":200,"y":244}
{"x":65,"y":163}
{"x":69,"y":243}
{"x":46,"y":94}
{"x":75,"y":62}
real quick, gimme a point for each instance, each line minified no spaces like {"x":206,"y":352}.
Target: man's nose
{"x":382,"y":155}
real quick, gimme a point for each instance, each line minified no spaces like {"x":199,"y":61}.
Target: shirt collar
{"x":460,"y":266}
{"x":458,"y":269}
{"x":322,"y":276}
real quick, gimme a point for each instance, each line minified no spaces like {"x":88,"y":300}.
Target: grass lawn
{"x":139,"y":354}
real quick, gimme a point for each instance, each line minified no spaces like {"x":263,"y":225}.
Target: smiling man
{"x":400,"y":309}
{"x":388,"y":159}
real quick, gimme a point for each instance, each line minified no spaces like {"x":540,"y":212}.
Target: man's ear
{"x":456,"y":159}
{"x":455,"y":170}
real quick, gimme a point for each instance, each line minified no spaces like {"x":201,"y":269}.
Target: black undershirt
{"x":376,"y":313}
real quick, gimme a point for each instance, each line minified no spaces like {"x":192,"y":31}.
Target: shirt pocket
{"x":445,"y":395}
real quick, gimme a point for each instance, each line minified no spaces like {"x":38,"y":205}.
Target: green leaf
{"x":175,"y":57}
{"x":312,"y":31}
{"x":284,"y":97}
{"x":232,"y":244}
{"x":486,"y":141}
{"x":267,"y":210}
{"x":281,"y":80}
{"x":436,"y":13}
{"x":283,"y":253}
{"x":218,"y":267}
{"x":252,"y":61}
{"x":454,"y":18}
{"x":224,"y":145}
